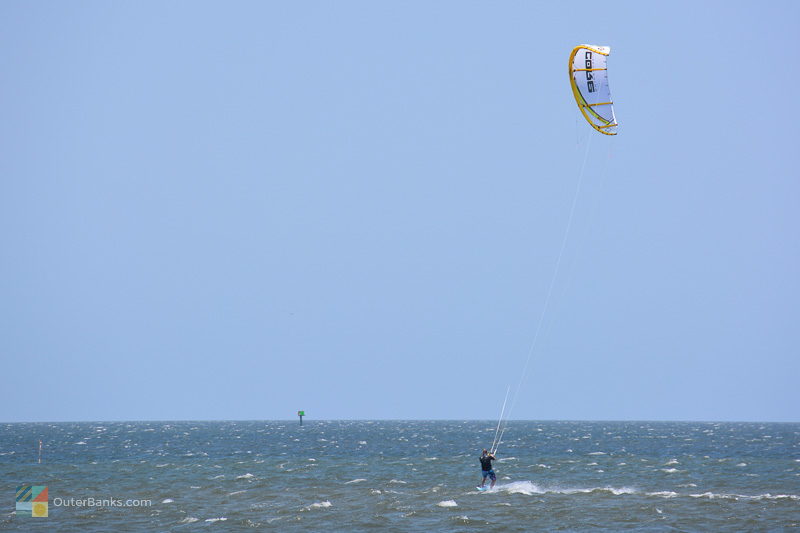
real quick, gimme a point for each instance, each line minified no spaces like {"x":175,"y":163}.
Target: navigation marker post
{"x":301,"y":414}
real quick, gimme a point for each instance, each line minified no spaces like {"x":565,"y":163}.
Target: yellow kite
{"x":588,"y":76}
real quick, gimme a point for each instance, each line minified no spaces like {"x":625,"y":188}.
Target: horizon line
{"x":307,"y":420}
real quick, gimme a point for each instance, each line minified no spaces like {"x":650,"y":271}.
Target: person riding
{"x":486,"y":467}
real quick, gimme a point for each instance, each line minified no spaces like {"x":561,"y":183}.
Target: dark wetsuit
{"x":486,"y":467}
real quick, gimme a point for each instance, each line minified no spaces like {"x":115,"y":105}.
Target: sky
{"x":236,"y":210}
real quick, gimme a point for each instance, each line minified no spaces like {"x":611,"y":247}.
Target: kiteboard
{"x":483,"y":489}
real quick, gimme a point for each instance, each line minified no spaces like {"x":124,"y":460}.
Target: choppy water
{"x":406,"y":476}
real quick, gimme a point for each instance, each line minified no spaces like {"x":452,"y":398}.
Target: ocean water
{"x":403,"y":476}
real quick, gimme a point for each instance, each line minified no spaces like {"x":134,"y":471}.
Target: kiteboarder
{"x":486,"y":467}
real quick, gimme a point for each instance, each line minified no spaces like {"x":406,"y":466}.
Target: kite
{"x":588,"y":77}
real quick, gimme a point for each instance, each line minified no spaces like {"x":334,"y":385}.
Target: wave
{"x":320,"y":505}
{"x":766,"y":496}
{"x":529,"y":488}
{"x":447,"y":503}
{"x":663,"y":494}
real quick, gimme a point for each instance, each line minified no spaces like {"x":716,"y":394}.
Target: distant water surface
{"x":405,"y":476}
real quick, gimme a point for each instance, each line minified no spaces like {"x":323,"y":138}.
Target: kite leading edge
{"x":588,"y":77}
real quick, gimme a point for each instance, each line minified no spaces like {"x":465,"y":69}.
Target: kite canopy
{"x":589,"y":79}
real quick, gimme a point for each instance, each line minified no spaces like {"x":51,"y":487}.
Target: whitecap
{"x":362,"y":442}
{"x":359,"y":480}
{"x":447,"y":503}
{"x":669,"y":470}
{"x":246,"y":476}
{"x":768,"y":496}
{"x":596,"y":453}
{"x":709,"y":495}
{"x":663,"y":494}
{"x":188,"y":520}
{"x":221,"y":519}
{"x":742,"y":464}
{"x":236,"y":492}
{"x":613,"y":490}
{"x":671,"y":462}
{"x":620,"y":491}
{"x":398,"y":481}
{"x":168,"y":500}
{"x":520,"y":487}
{"x":320,"y":505}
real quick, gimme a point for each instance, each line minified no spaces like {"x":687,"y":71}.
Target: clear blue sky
{"x":235,"y":210}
